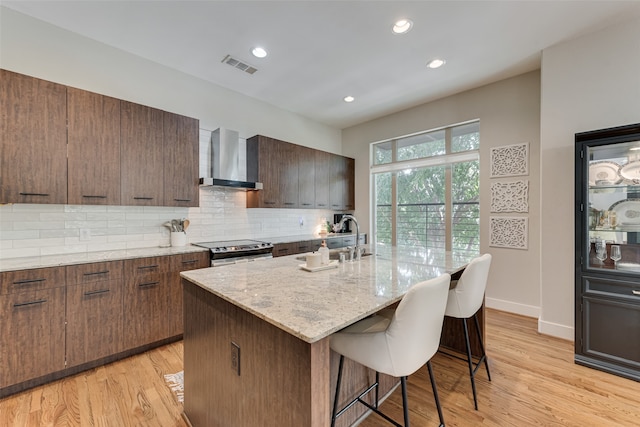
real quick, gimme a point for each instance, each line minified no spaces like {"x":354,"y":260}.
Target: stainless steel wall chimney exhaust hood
{"x":229,"y":161}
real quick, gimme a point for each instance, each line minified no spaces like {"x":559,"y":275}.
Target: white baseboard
{"x":556,"y":330}
{"x":513,"y":307}
{"x":546,"y":328}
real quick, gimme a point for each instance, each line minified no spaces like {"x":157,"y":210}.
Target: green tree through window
{"x":427,"y":189}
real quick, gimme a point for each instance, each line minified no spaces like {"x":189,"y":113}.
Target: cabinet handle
{"x":89,"y":196}
{"x":97,"y":273}
{"x":26,"y":282}
{"x":182,"y":200}
{"x":191,"y":261}
{"x":147,"y":284}
{"x":635,"y":292}
{"x":322,"y":204}
{"x":101,"y":291}
{"x":269,"y":203}
{"x":35,"y":194}
{"x":142,"y":198}
{"x":283,"y":250}
{"x":306,"y":204}
{"x":289,"y":203}
{"x":148,"y":266}
{"x":22,"y":304}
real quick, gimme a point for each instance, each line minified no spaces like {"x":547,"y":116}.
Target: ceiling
{"x":321,"y":51}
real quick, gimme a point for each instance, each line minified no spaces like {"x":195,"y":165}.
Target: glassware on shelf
{"x":615,"y":254}
{"x":601,"y":251}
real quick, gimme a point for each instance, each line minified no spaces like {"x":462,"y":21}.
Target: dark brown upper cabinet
{"x":322,"y":163}
{"x":142,"y":155}
{"x":294,"y":176}
{"x":33,"y":140}
{"x":93,"y":148}
{"x":181,"y":157}
{"x":306,"y":177}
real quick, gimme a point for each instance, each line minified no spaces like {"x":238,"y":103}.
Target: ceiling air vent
{"x":239,"y":64}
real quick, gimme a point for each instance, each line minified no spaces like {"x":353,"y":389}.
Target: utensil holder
{"x":178,"y":238}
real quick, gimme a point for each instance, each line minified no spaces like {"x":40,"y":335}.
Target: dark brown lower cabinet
{"x":31,"y":334}
{"x":145,"y":309}
{"x":183,"y":262}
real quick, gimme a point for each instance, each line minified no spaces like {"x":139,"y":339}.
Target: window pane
{"x":383,"y":208}
{"x":423,"y":145}
{"x":465,"y":137}
{"x":466,"y":206}
{"x":382,"y":153}
{"x":421,"y":210}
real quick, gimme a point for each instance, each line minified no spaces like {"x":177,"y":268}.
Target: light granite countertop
{"x":313,"y":305}
{"x":26,"y":263}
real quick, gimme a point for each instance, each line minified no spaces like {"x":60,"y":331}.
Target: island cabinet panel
{"x":147,"y":286}
{"x":32,"y":316}
{"x":181,"y":160}
{"x":182,"y":262}
{"x":93,"y":148}
{"x":306,"y":177}
{"x":94,"y":311}
{"x":322,"y":173}
{"x":281,"y":381}
{"x":142,"y":156}
{"x":33,"y":140}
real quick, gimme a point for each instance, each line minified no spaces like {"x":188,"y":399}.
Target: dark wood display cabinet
{"x":607,"y":248}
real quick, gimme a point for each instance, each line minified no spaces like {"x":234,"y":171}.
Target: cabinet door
{"x":94,"y":321}
{"x":267,"y":171}
{"x":145,"y":309}
{"x":180,"y":160}
{"x":183,"y":262}
{"x":33,"y":140}
{"x":94,"y":311}
{"x":337,"y":176}
{"x":142,"y":157}
{"x":289,"y":186}
{"x":31,"y":334}
{"x":306,"y":177}
{"x":93,"y":148}
{"x":322,"y":173}
{"x":349,"y":192}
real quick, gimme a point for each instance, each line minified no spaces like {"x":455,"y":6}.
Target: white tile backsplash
{"x":34,"y":230}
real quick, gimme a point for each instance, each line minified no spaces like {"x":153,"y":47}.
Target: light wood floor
{"x":534,"y":383}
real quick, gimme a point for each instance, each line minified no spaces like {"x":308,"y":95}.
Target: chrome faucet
{"x":358,"y":252}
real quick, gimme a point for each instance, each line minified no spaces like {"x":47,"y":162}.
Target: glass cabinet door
{"x":613,"y":206}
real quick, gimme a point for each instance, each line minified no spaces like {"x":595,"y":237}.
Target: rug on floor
{"x":176,"y":384}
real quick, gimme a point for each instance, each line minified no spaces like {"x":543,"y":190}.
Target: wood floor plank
{"x":534,"y":383}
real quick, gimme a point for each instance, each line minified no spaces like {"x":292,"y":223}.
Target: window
{"x":426,"y":189}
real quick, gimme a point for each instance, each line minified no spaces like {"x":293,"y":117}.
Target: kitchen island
{"x":256,"y":340}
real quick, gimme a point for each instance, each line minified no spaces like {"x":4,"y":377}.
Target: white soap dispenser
{"x":323,"y":250}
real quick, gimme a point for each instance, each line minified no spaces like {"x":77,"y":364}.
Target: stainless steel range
{"x":236,"y":251}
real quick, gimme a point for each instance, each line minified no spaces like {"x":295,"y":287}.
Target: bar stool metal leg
{"x":435,"y":393}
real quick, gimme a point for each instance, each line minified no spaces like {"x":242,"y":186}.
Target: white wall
{"x":41,"y":50}
{"x":509,"y":113}
{"x":589,"y":83}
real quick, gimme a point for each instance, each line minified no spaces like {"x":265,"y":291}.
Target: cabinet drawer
{"x":609,"y":287}
{"x":150,"y":265}
{"x":283,"y":249}
{"x":184,"y":262}
{"x":95,"y":272}
{"x":31,"y":280}
{"x":309,"y":246}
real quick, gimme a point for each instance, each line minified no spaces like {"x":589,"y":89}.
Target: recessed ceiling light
{"x":402,"y":26}
{"x":436,"y":63}
{"x":349,"y":98}
{"x":259,"y":52}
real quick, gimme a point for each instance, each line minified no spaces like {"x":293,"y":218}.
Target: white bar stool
{"x":464,"y":302}
{"x":397,"y":344}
